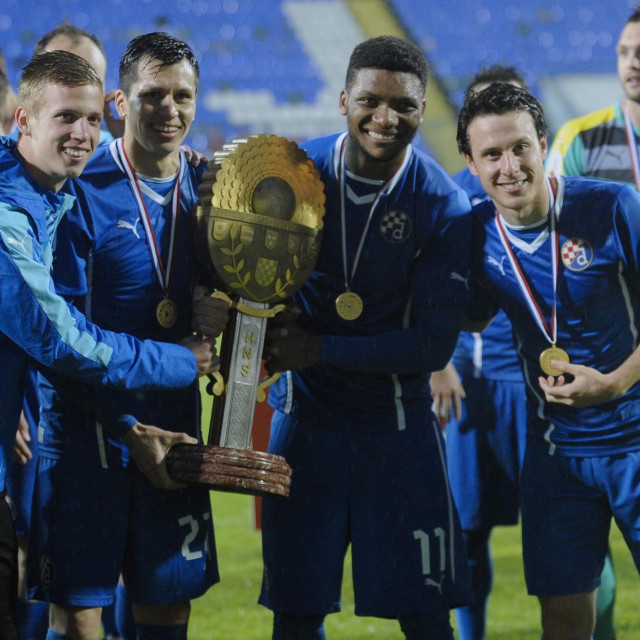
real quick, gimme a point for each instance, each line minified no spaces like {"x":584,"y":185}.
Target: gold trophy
{"x":259,"y":223}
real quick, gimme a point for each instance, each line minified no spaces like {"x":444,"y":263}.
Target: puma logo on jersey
{"x":500,"y":265}
{"x":430,"y":582}
{"x":18,"y":243}
{"x":123,"y":224}
{"x":456,"y":276}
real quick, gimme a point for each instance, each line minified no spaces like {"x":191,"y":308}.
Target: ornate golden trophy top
{"x":261,"y":210}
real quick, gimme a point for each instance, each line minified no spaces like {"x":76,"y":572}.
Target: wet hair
{"x":158,"y":47}
{"x":497,"y":99}
{"x":498,"y":73}
{"x":53,"y":67}
{"x":67,"y":30}
{"x":390,"y":54}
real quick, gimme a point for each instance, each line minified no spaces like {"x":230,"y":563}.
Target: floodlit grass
{"x":229,"y":610}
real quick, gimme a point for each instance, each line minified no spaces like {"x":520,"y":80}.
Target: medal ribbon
{"x":342,"y":188}
{"x":164,"y":277}
{"x":632,"y":146}
{"x":550,"y":334}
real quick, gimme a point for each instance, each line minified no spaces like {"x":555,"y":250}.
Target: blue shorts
{"x":385,"y":493}
{"x":567,"y":505}
{"x":485,"y":451}
{"x":90,"y":523}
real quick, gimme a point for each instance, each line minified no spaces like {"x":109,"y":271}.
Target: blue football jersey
{"x":597,"y":306}
{"x":103,"y":261}
{"x":413,"y":278}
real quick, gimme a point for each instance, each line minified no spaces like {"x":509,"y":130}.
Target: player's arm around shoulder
{"x":482,"y":307}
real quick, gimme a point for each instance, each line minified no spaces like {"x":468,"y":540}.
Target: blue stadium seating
{"x":251,"y":45}
{"x":241,"y":44}
{"x":539,"y":37}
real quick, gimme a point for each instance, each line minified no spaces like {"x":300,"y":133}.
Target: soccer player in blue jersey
{"x":60,"y":100}
{"x":353,"y":409}
{"x":33,"y":615}
{"x":128,"y":260}
{"x":481,"y":394}
{"x":561,"y":256}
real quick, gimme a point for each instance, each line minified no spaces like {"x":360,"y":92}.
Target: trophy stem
{"x":220,"y":402}
{"x":232,"y":421}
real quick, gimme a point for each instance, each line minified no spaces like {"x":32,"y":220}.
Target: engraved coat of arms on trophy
{"x":259,"y":224}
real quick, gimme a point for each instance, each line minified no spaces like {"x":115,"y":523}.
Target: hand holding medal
{"x":552,"y":353}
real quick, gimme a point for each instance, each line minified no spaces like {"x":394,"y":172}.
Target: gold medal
{"x":166,"y":313}
{"x":552,"y":353}
{"x":349,"y":305}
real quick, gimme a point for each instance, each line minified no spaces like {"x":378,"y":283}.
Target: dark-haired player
{"x":352,"y":410}
{"x":570,"y":285}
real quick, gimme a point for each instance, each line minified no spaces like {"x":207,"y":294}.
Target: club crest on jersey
{"x":396,"y":226}
{"x":576,"y":254}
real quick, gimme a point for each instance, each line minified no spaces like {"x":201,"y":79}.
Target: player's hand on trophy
{"x":288,"y":346}
{"x":209,"y":315}
{"x":149,"y":446}
{"x":205,"y":353}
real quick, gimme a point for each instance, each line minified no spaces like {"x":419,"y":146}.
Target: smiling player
{"x":569,"y":281}
{"x":353,"y":411}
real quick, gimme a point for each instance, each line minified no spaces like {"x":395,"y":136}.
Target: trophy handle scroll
{"x":259,"y":223}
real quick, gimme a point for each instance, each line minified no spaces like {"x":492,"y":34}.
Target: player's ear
{"x":544,"y":147}
{"x":343,"y":102}
{"x":22,"y":121}
{"x":121,"y":103}
{"x":471,"y":164}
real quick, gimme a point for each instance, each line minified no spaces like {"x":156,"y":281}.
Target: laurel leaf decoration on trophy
{"x":262,"y":205}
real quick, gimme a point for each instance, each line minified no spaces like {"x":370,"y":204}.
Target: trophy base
{"x":225,"y":469}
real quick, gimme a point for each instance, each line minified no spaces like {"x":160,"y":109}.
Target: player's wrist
{"x":618,"y":382}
